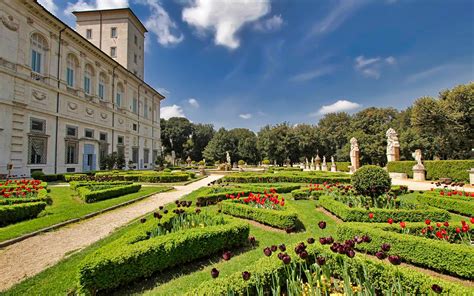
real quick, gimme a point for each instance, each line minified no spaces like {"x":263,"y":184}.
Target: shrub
{"x":21,"y":200}
{"x":284,"y":219}
{"x":456,"y":206}
{"x":92,"y":196}
{"x":76,"y":184}
{"x":380,"y":274}
{"x":381,"y":215}
{"x":342,"y":166}
{"x":455,"y":259}
{"x":19,"y":212}
{"x":38,"y":175}
{"x":241,"y":162}
{"x":371,"y":180}
{"x":128,"y":259}
{"x":286,"y":177}
{"x":266,"y":161}
{"x":435,"y":169}
{"x":306,"y":193}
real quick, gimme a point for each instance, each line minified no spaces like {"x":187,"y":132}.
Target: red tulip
{"x":472,"y":220}
{"x":371,"y":215}
{"x":390,"y":221}
{"x":427,"y":221}
{"x":403,"y":224}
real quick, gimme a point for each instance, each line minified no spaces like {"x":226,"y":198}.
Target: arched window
{"x":88,"y":74}
{"x":71,"y":70}
{"x":119,"y":95}
{"x":39,"y":46}
{"x":102,"y":84}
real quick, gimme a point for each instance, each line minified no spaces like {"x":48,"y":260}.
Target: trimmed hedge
{"x":343,"y":166}
{"x":127,"y":259}
{"x":305,"y":193}
{"x":76,"y":184}
{"x":21,"y":200}
{"x":287,"y":177}
{"x":371,"y":180}
{"x":435,"y":169}
{"x":381,"y":275}
{"x":92,"y":196}
{"x":381,"y":215}
{"x":456,"y":206}
{"x":454,"y":259}
{"x":20,"y":212}
{"x":284,"y":219}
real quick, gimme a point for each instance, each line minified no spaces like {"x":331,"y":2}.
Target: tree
{"x":218,"y":146}
{"x":308,"y":141}
{"x":279,"y":143}
{"x":175,"y":132}
{"x":333,"y":132}
{"x":201,"y":135}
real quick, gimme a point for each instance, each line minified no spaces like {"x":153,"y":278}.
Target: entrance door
{"x":89,"y":158}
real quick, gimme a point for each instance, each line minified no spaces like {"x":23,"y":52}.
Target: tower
{"x":117,"y":32}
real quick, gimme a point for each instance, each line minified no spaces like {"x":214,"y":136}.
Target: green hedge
{"x":456,"y":206}
{"x":342,"y":166}
{"x":76,"y":184}
{"x":21,"y":200}
{"x":287,"y":177}
{"x":19,"y":212}
{"x":454,"y":259}
{"x":381,"y":215}
{"x":284,"y":219}
{"x":92,"y":196}
{"x":381,"y":275}
{"x":74,"y":177}
{"x":51,"y":177}
{"x":305,"y":193}
{"x":435,"y":169}
{"x":122,"y":261}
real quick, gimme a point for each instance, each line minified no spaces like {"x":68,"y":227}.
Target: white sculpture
{"x":393,"y":145}
{"x":354,"y":154}
{"x":418,"y":168}
{"x":333,"y":165}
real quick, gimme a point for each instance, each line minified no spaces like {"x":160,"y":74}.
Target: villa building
{"x":69,"y":97}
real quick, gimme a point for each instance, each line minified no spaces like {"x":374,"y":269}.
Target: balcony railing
{"x":37,"y":77}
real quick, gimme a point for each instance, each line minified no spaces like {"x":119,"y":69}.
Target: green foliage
{"x":20,"y":212}
{"x":76,"y":184}
{"x":284,"y":219}
{"x":49,"y":177}
{"x":371,"y":180}
{"x":457,"y":170}
{"x":37,"y":175}
{"x":202,"y":134}
{"x":175,"y":132}
{"x":89,"y":195}
{"x":133,"y":256}
{"x":342,"y":166}
{"x":305,"y":193}
{"x":279,"y":143}
{"x":42,"y":197}
{"x":291,"y":177}
{"x":462,"y":207}
{"x":357,"y":214}
{"x":266,"y":162}
{"x":455,"y":259}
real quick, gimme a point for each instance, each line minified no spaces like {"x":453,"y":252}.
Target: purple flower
{"x":300,"y":248}
{"x":286,"y":259}
{"x":274,"y":248}
{"x":310,"y":240}
{"x":142,"y":220}
{"x":437,"y":289}
{"x":252,"y":240}
{"x":385,"y":247}
{"x":227,"y":255}
{"x":394,"y":259}
{"x":303,"y":255}
{"x":267,"y":251}
{"x":160,"y":207}
{"x":280,"y":255}
{"x":198,"y":210}
{"x":282,"y":247}
{"x":322,"y":240}
{"x":350,"y":243}
{"x":350,"y":253}
{"x":165,"y":211}
{"x":381,"y":255}
{"x":329,"y":240}
{"x":214,"y":273}
{"x":322,"y":224}
{"x":366,"y":238}
{"x":334,"y":247}
{"x":246,"y":275}
{"x":321,"y":261}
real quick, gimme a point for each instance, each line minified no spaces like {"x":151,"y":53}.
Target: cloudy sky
{"x":247,"y":63}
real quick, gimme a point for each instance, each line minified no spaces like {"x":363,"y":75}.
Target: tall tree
{"x":175,"y":133}
{"x":333,"y":132}
{"x":201,"y":135}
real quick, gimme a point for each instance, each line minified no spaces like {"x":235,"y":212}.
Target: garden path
{"x":31,"y":256}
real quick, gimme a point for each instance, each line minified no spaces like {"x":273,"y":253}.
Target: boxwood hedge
{"x":435,"y":169}
{"x":381,"y":275}
{"x":19,"y":212}
{"x":92,"y":196}
{"x":76,"y":184}
{"x":454,"y":259}
{"x":306,"y":193}
{"x":358,"y":214}
{"x":287,"y":177}
{"x":284,"y":219}
{"x":130,"y":258}
{"x":462,"y":207}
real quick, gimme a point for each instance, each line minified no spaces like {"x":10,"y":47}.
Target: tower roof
{"x":127,"y":10}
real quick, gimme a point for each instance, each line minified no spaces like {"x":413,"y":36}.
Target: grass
{"x":67,"y":206}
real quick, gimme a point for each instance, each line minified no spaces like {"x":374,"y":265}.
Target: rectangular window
{"x":101,"y":91}
{"x":146,"y":156}
{"x":38,"y":125}
{"x":134,"y":105}
{"x":71,"y":131}
{"x":72,"y":148}
{"x":103,"y":149}
{"x":119,"y":99}
{"x":89,"y":33}
{"x":136,"y":40}
{"x":113,"y":51}
{"x":70,"y":77}
{"x":135,"y":127}
{"x":88,"y":133}
{"x":145,"y":110}
{"x":87,"y":85}
{"x":35,"y":61}
{"x":135,"y":155}
{"x":154,"y":156}
{"x":135,"y":58}
{"x":121,"y":151}
{"x":113,"y":32}
{"x":120,"y":140}
{"x":103,"y":137}
{"x":37,"y":150}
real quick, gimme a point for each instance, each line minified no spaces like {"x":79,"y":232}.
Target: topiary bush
{"x":371,"y":180}
{"x":37,"y":175}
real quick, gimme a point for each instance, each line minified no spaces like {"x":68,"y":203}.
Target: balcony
{"x":37,"y":77}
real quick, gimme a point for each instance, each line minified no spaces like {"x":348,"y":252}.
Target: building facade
{"x":66,"y":99}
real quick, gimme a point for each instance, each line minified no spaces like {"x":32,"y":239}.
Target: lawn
{"x":67,"y":206}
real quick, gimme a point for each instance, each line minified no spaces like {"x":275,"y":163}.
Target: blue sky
{"x":247,"y":63}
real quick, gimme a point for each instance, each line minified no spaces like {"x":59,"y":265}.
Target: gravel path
{"x":33,"y":255}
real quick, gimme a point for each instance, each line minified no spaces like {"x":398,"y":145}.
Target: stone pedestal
{"x":202,"y":170}
{"x":311,"y":167}
{"x":318,"y":168}
{"x":333,"y":168}
{"x":471,"y":176}
{"x":324,"y":168}
{"x":398,"y":175}
{"x":419,"y":173}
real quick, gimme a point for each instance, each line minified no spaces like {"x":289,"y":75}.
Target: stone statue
{"x":333,"y":165}
{"x":312,"y":164}
{"x":306,"y":163}
{"x":227,"y":157}
{"x":189,"y":160}
{"x":354,"y":154}
{"x":324,"y":167}
{"x":317,"y":161}
{"x":393,"y":145}
{"x":417,"y":155}
{"x":418,"y":169}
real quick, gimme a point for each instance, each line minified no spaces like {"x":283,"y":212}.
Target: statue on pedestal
{"x":318,"y":161}
{"x":333,"y":165}
{"x":355,"y":155}
{"x":393,"y":145}
{"x":418,"y":168}
{"x":324,"y":167}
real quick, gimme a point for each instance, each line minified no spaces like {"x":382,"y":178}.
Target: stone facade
{"x":65,"y":103}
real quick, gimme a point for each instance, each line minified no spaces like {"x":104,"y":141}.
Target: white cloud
{"x":160,"y":24}
{"x":271,"y":24}
{"x":245,"y":116}
{"x":319,"y":72}
{"x":49,"y":5}
{"x":95,"y":4}
{"x":224,"y":17}
{"x":372,"y":67}
{"x":193,"y":102}
{"x":171,"y":111}
{"x":339,"y":106}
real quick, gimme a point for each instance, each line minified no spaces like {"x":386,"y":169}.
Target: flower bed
{"x":358,"y":214}
{"x":19,"y":212}
{"x":289,"y":177}
{"x":137,"y":254}
{"x":268,"y":273}
{"x":267,"y":209}
{"x":459,"y":205}
{"x":89,"y":195}
{"x":454,"y":259}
